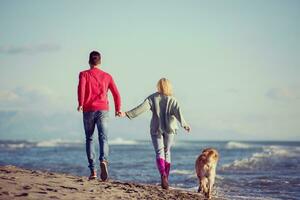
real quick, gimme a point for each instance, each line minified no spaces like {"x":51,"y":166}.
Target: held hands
{"x":117,"y":114}
{"x":187,"y":128}
{"x":120,"y":114}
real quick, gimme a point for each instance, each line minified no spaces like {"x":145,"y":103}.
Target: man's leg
{"x":102,"y":126}
{"x":89,"y":127}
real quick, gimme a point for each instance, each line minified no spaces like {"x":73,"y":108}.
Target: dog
{"x":205,"y":166}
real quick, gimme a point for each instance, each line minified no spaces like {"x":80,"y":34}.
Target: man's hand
{"x":120,"y":114}
{"x":80,"y":109}
{"x":187,"y":128}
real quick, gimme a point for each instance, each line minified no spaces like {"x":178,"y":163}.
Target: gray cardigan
{"x":165,"y":111}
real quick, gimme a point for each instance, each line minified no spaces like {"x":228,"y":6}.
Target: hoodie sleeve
{"x":116,"y":95}
{"x":177,"y":112}
{"x":143,"y":107}
{"x":81,"y":89}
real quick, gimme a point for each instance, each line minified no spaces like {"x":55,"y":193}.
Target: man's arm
{"x":81,"y":91}
{"x":116,"y":95}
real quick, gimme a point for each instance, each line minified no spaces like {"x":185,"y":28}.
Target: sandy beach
{"x":18,"y":183}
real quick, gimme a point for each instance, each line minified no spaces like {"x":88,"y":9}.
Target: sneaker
{"x":164,"y":182}
{"x":104,"y":171}
{"x":93,"y":175}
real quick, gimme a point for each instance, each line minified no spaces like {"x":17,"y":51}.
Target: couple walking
{"x":93,"y":102}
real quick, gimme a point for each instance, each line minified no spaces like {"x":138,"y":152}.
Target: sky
{"x":234,"y":65}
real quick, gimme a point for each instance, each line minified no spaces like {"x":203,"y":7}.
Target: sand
{"x":18,"y":183}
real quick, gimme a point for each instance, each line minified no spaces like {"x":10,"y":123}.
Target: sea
{"x":246,"y":170}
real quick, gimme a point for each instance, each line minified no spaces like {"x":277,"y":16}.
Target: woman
{"x":165,"y":113}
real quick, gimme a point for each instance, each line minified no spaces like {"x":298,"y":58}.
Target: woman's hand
{"x":122,"y":114}
{"x":187,"y":128}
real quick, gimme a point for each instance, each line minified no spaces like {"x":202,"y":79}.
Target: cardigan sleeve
{"x":143,"y":107}
{"x":177,"y":112}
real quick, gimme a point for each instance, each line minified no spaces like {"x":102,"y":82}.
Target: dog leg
{"x":203,"y":184}
{"x":211,"y":181}
{"x":200,"y":187}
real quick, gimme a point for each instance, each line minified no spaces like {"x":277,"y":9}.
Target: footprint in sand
{"x":27,"y":187}
{"x":24,"y":194}
{"x":51,"y":189}
{"x":107,"y":187}
{"x":42,"y":192}
{"x":5,"y":192}
{"x":69,"y":188}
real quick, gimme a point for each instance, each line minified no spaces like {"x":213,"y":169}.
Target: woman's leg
{"x":168,"y":142}
{"x":158,"y":144}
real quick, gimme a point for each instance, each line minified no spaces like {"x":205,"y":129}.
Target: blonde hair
{"x":164,"y":87}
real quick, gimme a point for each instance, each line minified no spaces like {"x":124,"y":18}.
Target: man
{"x":93,"y":102}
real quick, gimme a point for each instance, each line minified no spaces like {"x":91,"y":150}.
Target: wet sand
{"x":18,"y":183}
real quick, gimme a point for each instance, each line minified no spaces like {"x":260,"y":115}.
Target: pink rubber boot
{"x":167,"y":168}
{"x":162,"y":170}
{"x":160,"y":162}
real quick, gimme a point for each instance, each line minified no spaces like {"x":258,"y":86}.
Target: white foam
{"x":238,"y":197}
{"x":190,"y":174}
{"x":193,"y":189}
{"x":14,"y":146}
{"x":182,"y":172}
{"x":270,"y":156}
{"x":219,"y":177}
{"x":57,"y":142}
{"x":238,"y":145}
{"x":60,"y":142}
{"x":121,"y":141}
{"x":48,"y":143}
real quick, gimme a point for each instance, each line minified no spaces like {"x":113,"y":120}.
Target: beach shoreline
{"x":19,"y":183}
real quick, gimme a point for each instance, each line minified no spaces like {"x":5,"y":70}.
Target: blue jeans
{"x":90,"y":120}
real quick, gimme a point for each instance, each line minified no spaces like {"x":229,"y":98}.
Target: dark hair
{"x":95,"y":58}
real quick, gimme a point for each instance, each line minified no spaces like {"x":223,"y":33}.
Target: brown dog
{"x":205,"y":167}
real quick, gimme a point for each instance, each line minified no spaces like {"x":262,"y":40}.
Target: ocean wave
{"x":182,"y":172}
{"x":272,"y":157}
{"x":15,"y":144}
{"x":10,"y":144}
{"x":45,"y":143}
{"x":121,"y":141}
{"x":238,"y":145}
{"x":190,"y":174}
{"x":60,"y":142}
{"x":57,"y":143}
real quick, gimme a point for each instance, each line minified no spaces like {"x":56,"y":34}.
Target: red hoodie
{"x":92,"y":90}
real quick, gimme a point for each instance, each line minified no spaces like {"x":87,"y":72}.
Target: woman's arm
{"x":139,"y":109}
{"x":177,"y":112}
